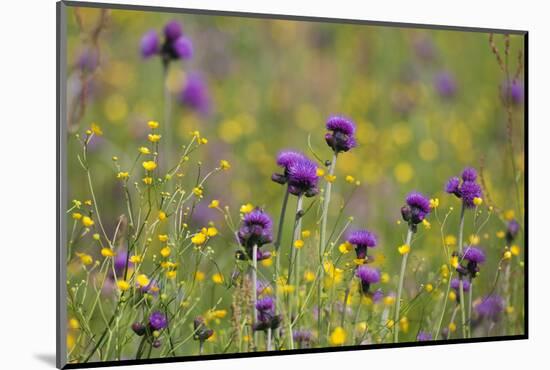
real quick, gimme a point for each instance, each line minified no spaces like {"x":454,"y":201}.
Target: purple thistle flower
{"x":139,"y":328}
{"x":173,"y":30}
{"x":256,"y":229}
{"x":362,"y":239}
{"x":424,"y":336}
{"x":157,"y":321}
{"x":468,"y":190}
{"x":445,"y":85}
{"x":368,"y":276}
{"x":88,"y":60}
{"x":302,"y":178}
{"x":182,"y":47}
{"x":490,"y":308}
{"x":513,"y":90}
{"x":120,"y":261}
{"x":474,"y":255}
{"x":453,"y":185}
{"x":455,"y":284}
{"x":416,"y":209}
{"x":377,"y":295}
{"x":302,"y":337}
{"x":149,"y":44}
{"x":285,"y":159}
{"x":202,"y":333}
{"x":469,"y":174}
{"x":341,"y":138}
{"x":265,"y":304}
{"x":195,"y":94}
{"x":512,"y":231}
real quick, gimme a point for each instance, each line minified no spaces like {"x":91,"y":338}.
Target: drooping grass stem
{"x":400,"y":288}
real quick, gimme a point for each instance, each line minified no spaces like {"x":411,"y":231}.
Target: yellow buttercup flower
{"x":214,"y":204}
{"x":338,"y":336}
{"x":153,"y":124}
{"x":88,"y":202}
{"x":246,"y":208}
{"x":404,"y":324}
{"x":199,"y":276}
{"x":144,"y":150}
{"x":320,"y":172}
{"x":309,"y":276}
{"x":330,"y":178}
{"x":135,"y":259}
{"x":217,"y":278}
{"x":122,"y":175}
{"x":452,"y":327}
{"x":162,"y":215}
{"x":87,"y":221}
{"x":225,"y":165}
{"x":267,"y":262}
{"x":429,"y":288}
{"x":478,"y":201}
{"x":74,"y":324}
{"x":123,"y":285}
{"x":500,"y":234}
{"x":434,"y":202}
{"x":306,"y":234}
{"x":452,"y":296}
{"x":454,"y":261}
{"x":142,"y":280}
{"x":474,"y":239}
{"x":198,"y":239}
{"x":385,"y":277}
{"x":350,"y":179}
{"x":345,"y":247}
{"x":77,"y":216}
{"x":149,"y":165}
{"x":165,"y":252}
{"x":147,"y":180}
{"x":507,"y":255}
{"x":515,"y":250}
{"x":107,"y":252}
{"x":389,"y":300}
{"x":211,"y":231}
{"x":154,"y":138}
{"x":509,"y":215}
{"x":171,"y":274}
{"x":298,"y":243}
{"x":163,"y":238}
{"x":96,"y":129}
{"x":404,"y":249}
{"x":85,"y":259}
{"x":450,"y":240}
{"x":197,"y":191}
{"x":427,"y":225}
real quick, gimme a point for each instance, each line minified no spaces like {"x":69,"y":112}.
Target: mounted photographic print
{"x":236,"y":185}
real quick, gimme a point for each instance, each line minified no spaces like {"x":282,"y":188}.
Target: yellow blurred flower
{"x":85,"y":259}
{"x":225,"y":165}
{"x":338,"y":336}
{"x":198,"y":239}
{"x":163,"y":238}
{"x":149,"y":165}
{"x":87,"y":221}
{"x":153,"y":124}
{"x":217,"y":278}
{"x":298,"y":244}
{"x":214,"y":204}
{"x":154,"y":138}
{"x":107,"y":252}
{"x":404,"y":249}
{"x":144,"y":150}
{"x":96,"y":129}
{"x":142,"y":280}
{"x":165,"y":252}
{"x":123,"y":285}
{"x":246,"y":208}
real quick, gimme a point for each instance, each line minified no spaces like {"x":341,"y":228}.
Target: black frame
{"x":61,"y":329}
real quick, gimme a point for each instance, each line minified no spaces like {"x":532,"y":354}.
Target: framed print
{"x":236,"y":185}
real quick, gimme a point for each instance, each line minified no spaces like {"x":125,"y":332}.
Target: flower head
{"x":474,"y":255}
{"x":302,"y":337}
{"x":514,"y":91}
{"x":150,"y":44}
{"x":302,"y":178}
{"x":424,"y":336}
{"x":469,"y":190}
{"x":195,"y":94}
{"x":175,"y":45}
{"x":455,"y":284}
{"x":490,"y":308}
{"x":512,"y":231}
{"x":445,"y":85}
{"x":362,"y":239}
{"x":416,"y":209}
{"x":157,"y":321}
{"x":341,"y":138}
{"x":368,"y":276}
{"x":255,"y":229}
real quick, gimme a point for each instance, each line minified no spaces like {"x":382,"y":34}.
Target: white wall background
{"x":27,"y":180}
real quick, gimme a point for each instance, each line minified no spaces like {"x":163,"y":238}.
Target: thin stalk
{"x":322,"y":238}
{"x":277,"y":245}
{"x":254,"y":289}
{"x":297,"y":230}
{"x":461,"y":284}
{"x":446,"y":299}
{"x":166,"y":125}
{"x":470,"y":294}
{"x":268,"y":340}
{"x":400,"y":289}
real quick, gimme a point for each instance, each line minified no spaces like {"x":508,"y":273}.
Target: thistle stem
{"x":254,"y":289}
{"x":461,"y":284}
{"x":400,"y":288}
{"x":166,"y":126}
{"x":438,"y":329}
{"x":268,"y":339}
{"x":277,"y":245}
{"x":322,"y":239}
{"x":470,"y":295}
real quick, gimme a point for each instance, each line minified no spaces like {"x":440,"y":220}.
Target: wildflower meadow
{"x":248,"y":185}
